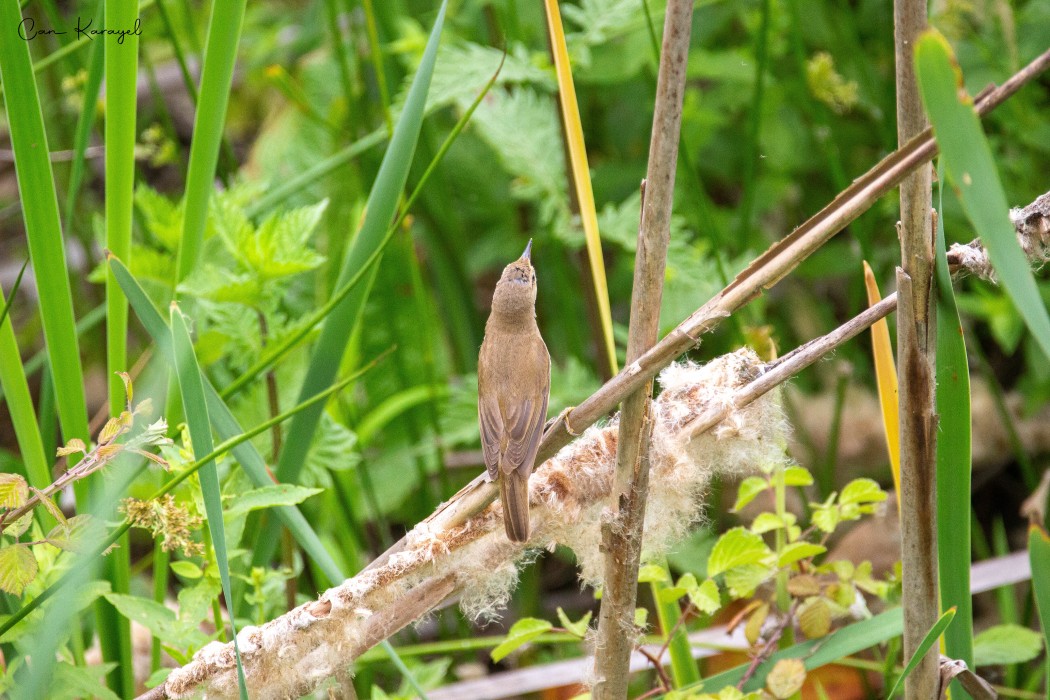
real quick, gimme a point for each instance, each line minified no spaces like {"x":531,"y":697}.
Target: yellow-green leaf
{"x":885,"y":380}
{"x":748,"y":490}
{"x":14,"y":491}
{"x":523,"y":632}
{"x":17,"y":568}
{"x":786,"y":678}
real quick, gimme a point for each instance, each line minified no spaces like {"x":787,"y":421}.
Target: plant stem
{"x":622,"y":531}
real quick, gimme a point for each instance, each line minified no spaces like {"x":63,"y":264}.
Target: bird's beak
{"x":528,"y":251}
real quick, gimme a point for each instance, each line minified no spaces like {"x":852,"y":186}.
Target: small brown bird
{"x":514,"y":381}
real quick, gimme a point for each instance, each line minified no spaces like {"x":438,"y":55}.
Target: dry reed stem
{"x":622,"y":523}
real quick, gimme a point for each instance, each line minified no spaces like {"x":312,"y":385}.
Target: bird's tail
{"x":514,"y":494}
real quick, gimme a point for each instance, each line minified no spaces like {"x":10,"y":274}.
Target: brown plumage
{"x":514,"y":381}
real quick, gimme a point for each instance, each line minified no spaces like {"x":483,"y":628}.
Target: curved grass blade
{"x":581,"y":176}
{"x":196,"y":411}
{"x":954,"y":463}
{"x":885,"y":380}
{"x":968,"y":160}
{"x":220,"y":55}
{"x":924,"y":646}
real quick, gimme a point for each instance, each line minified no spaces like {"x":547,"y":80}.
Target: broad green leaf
{"x":737,"y":547}
{"x":796,"y":551}
{"x":797,"y":476}
{"x":186,"y":569}
{"x":1006,"y":644}
{"x":81,"y":682}
{"x":523,"y":632}
{"x":973,"y":173}
{"x":652,"y":572}
{"x":268,"y":497}
{"x":17,"y":568}
{"x":158,"y":619}
{"x":706,"y":597}
{"x":743,"y":580}
{"x":641,"y":617}
{"x":860,"y":491}
{"x":767,"y":522}
{"x":749,"y":489}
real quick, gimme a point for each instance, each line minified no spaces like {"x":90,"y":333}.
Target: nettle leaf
{"x":17,"y":568}
{"x":278,"y":248}
{"x":268,"y":497}
{"x":861,"y":491}
{"x":653,"y":573}
{"x":14,"y":491}
{"x":737,"y":547}
{"x":1006,"y":644}
{"x":749,"y":489}
{"x":577,"y":628}
{"x":797,"y":476}
{"x":523,"y":632}
{"x":799,"y":550}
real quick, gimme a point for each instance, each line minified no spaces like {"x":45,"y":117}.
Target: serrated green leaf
{"x":737,"y":547}
{"x":748,"y":490}
{"x":1006,"y":644}
{"x":797,"y":476}
{"x":797,"y":551}
{"x":186,"y":569}
{"x":743,"y":580}
{"x":767,"y":522}
{"x":523,"y":632}
{"x":862,"y":491}
{"x":17,"y":568}
{"x":14,"y":491}
{"x":653,"y":572}
{"x":158,"y":619}
{"x":268,"y":497}
{"x":706,"y":597}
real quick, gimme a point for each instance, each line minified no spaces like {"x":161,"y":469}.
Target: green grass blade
{"x":121,"y":68}
{"x":196,"y":409}
{"x":684,"y":670}
{"x":972,"y":172}
{"x":924,"y":646}
{"x":220,"y":55}
{"x":20,"y":403}
{"x":14,"y":291}
{"x":1039,"y":556}
{"x":36,"y":188}
{"x":86,"y":120}
{"x":381,"y":206}
{"x":953,"y":459}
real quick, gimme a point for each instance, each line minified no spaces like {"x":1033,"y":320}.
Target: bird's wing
{"x":491,"y":422}
{"x":525,"y":428}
